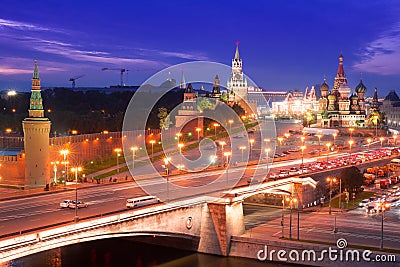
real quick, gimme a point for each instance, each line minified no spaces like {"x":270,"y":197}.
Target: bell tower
{"x":36,"y":138}
{"x":237,"y":85}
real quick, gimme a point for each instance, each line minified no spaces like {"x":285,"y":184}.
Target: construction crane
{"x":73,"y":79}
{"x":122,"y":74}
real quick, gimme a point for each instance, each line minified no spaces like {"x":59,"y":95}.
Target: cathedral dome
{"x":324,"y":86}
{"x":354,"y":96}
{"x":360,"y":88}
{"x":332,"y":97}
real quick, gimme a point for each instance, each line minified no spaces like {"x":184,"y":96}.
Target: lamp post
{"x":118,"y":151}
{"x":267,"y":152}
{"x":303,"y":138}
{"x":134,"y":149}
{"x":319,"y":143}
{"x":394,"y":138}
{"x":351,"y":142}
{"x":198,"y":130}
{"x":381,"y":139}
{"x":230,"y":126}
{"x":65,"y":153}
{"x":215,"y":129}
{"x":328,"y":145}
{"x":55,"y":170}
{"x":369,"y":140}
{"x":330,"y":181}
{"x":227,"y":154}
{"x":302,"y":157}
{"x":383,"y":206}
{"x":340,"y":194}
{"x":334,"y":138}
{"x":251,"y":141}
{"x":280,"y":139}
{"x":152,"y":142}
{"x":76,"y":170}
{"x":290,"y":199}
{"x":180,"y":145}
{"x":222,"y":144}
{"x":166,"y":162}
{"x":242,"y":148}
{"x":376,"y":124}
{"x":178,"y":135}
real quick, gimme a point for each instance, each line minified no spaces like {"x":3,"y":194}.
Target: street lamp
{"x":287,"y":135}
{"x":302,"y":140}
{"x":351,"y":142}
{"x":319,"y":143}
{"x":242,"y":148}
{"x":369,"y":140}
{"x":291,"y":200}
{"x":227,"y":154}
{"x":118,"y":151}
{"x":65,"y":153}
{"x":215,"y":129}
{"x":198,"y":130}
{"x":381,"y":139}
{"x":280,"y":139}
{"x":230,"y":126}
{"x":330,"y":181}
{"x":152,"y":142}
{"x":383,"y":206}
{"x":394,"y":138}
{"x":134,"y":149}
{"x":178,"y":135}
{"x":55,"y":163}
{"x":166,"y":162}
{"x":180,"y":145}
{"x":334,"y":138}
{"x":328,"y":145}
{"x":76,"y":170}
{"x":267,"y":150}
{"x":251,"y":141}
{"x":302,"y":157}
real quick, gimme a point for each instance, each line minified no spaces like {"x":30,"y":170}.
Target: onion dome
{"x":332,"y":97}
{"x":360,"y":88}
{"x":354,"y":96}
{"x":324,"y":86}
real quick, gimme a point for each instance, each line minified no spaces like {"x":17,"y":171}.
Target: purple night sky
{"x":284,"y":44}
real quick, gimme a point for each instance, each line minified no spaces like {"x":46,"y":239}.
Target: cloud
{"x":22,"y":26}
{"x":382,"y":55}
{"x":183,"y":55}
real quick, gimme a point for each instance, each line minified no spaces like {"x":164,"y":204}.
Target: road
{"x":27,"y":213}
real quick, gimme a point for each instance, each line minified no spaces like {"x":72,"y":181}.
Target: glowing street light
{"x":152,"y":142}
{"x":251,"y":141}
{"x":178,"y":135}
{"x":133,"y":149}
{"x":118,"y":151}
{"x":328,"y":145}
{"x":381,"y":139}
{"x":334,"y":138}
{"x":383,"y":206}
{"x":55,"y":163}
{"x":303,"y":138}
{"x":230,"y":125}
{"x":76,"y":170}
{"x":242,"y":148}
{"x":351,"y":142}
{"x":330,"y":181}
{"x":215,"y":129}
{"x":65,"y":153}
{"x":280,"y":139}
{"x":291,"y":200}
{"x":351,"y":132}
{"x":227,"y":154}
{"x":302,"y":156}
{"x":287,"y":135}
{"x":198,"y":130}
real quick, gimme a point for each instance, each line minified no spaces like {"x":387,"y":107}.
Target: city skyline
{"x":283,"y":45}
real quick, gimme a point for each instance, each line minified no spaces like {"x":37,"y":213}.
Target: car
{"x":65,"y":203}
{"x":363,"y":203}
{"x":81,"y":204}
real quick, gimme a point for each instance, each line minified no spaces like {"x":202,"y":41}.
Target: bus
{"x":141,"y":201}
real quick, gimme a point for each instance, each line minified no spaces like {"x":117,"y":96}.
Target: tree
{"x":204,"y":103}
{"x":165,"y":120}
{"x":352,"y":178}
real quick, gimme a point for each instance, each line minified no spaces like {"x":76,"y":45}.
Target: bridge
{"x":206,"y":224}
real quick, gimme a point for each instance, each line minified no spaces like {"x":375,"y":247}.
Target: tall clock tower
{"x":237,"y":85}
{"x":36,"y":138}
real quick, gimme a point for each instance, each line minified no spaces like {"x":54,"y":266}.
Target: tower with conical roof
{"x":237,"y":85}
{"x":340,"y":77}
{"x":374,"y":104}
{"x":216,"y":91}
{"x":36,"y":138}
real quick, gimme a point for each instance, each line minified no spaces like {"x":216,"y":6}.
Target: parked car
{"x":363,"y":203}
{"x":65,"y":203}
{"x":80,"y":204}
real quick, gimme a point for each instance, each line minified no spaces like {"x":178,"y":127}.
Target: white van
{"x":141,"y":201}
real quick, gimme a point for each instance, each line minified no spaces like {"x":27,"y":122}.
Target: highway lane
{"x":30,"y":212}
